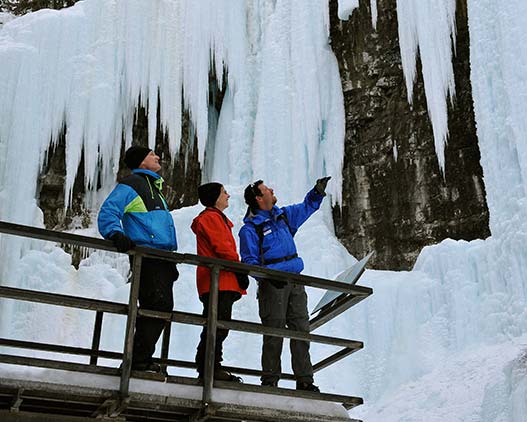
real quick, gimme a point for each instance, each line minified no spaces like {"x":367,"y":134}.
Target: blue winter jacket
{"x":137,"y":207}
{"x":278,"y":240}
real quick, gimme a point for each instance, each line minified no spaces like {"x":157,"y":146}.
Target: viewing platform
{"x":57,"y":390}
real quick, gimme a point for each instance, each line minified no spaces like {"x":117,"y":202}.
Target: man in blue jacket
{"x":266,"y":239}
{"x":136,"y":213}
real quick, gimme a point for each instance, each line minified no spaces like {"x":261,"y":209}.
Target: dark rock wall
{"x":396,"y":207}
{"x":51,"y":192}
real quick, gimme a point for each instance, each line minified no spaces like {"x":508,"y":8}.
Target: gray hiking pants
{"x":281,"y":308}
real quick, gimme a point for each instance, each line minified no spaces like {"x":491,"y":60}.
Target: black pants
{"x":155,"y":293}
{"x":281,"y":308}
{"x":225,"y":302}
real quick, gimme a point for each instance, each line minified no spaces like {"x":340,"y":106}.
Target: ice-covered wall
{"x":461,"y":314}
{"x":498,"y":66}
{"x":87,"y":66}
{"x":299,"y":121}
{"x":282,"y":117}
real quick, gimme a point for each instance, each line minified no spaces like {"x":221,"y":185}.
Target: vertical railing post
{"x":126,"y":367}
{"x":165,"y":345}
{"x":96,"y":340}
{"x":212,"y":323}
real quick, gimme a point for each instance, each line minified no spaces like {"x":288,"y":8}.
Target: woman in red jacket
{"x":214,"y":239}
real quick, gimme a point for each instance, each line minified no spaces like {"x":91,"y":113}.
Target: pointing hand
{"x":321,"y":185}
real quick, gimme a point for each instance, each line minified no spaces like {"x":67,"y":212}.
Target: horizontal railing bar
{"x":54,"y":364}
{"x":348,"y":401}
{"x":251,"y":327}
{"x":63,"y":300}
{"x":181,"y":317}
{"x":341,"y":305}
{"x":175,"y":316}
{"x":255,"y":271}
{"x":330,"y":360}
{"x":255,"y":372}
{"x":46,"y":347}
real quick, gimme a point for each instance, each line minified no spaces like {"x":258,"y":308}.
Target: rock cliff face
{"x":397,"y":205}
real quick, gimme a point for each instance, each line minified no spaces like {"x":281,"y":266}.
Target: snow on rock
{"x":346,"y":8}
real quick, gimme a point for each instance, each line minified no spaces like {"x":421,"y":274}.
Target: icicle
{"x":429,"y":25}
{"x":373,"y":7}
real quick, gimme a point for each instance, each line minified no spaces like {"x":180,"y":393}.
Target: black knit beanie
{"x":134,"y":156}
{"x":209,"y":193}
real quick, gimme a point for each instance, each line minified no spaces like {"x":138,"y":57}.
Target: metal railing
{"x":350,"y":295}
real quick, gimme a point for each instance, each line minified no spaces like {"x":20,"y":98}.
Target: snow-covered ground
{"x":445,"y":341}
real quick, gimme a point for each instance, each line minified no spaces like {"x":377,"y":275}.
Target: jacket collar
{"x":158,"y":180}
{"x":261,"y":216}
{"x":147,"y":172}
{"x":217,"y":211}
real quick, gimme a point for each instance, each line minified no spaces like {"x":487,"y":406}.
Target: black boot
{"x":146,"y":366}
{"x":270,"y":383}
{"x":221,"y":374}
{"x":307,"y":386}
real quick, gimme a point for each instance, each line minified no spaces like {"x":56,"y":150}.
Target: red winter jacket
{"x":214,"y":239}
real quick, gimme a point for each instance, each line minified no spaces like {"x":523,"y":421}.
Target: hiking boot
{"x":221,"y":374}
{"x":307,"y":386}
{"x":270,"y":383}
{"x":146,"y":367}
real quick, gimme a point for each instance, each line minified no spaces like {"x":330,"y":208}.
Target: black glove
{"x":122,"y":242}
{"x":321,"y":185}
{"x":243,"y":280}
{"x":277,"y":283}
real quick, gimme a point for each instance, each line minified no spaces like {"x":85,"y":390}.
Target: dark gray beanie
{"x":134,"y":156}
{"x":209,"y":193}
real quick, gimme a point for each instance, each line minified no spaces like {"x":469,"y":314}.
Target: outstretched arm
{"x":297,"y":214}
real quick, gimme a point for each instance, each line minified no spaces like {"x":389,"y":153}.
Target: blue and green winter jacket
{"x":137,"y":207}
{"x":277,"y":234}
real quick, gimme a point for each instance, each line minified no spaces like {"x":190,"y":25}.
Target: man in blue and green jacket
{"x":136,"y":213}
{"x":266,"y":239}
